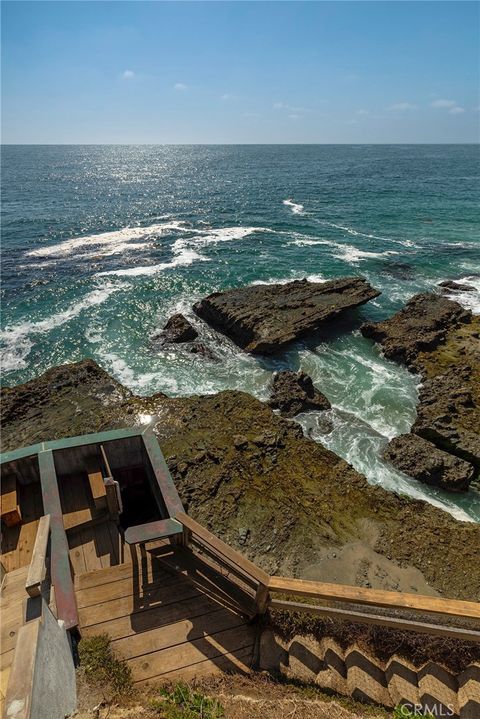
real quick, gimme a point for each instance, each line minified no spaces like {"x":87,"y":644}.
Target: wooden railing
{"x":387,"y":607}
{"x":37,"y":570}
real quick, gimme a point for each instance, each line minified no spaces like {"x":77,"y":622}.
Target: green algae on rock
{"x":253,"y":478}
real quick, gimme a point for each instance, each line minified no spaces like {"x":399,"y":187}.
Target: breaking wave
{"x":468,"y":299}
{"x":185,"y":250}
{"x":295,"y":207}
{"x":16,"y":341}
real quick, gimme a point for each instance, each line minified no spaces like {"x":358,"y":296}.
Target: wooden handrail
{"x":37,"y":570}
{"x":224,"y":550}
{"x":375,"y":597}
{"x":394,"y":601}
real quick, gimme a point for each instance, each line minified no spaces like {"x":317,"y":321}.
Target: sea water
{"x":101,"y":244}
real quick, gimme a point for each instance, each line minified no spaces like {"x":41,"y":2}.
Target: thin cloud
{"x":402,"y":106}
{"x":457,"y":110}
{"x":180,"y":86}
{"x":128,"y":75}
{"x":362,"y":112}
{"x":443,"y":103}
{"x":289,"y":108}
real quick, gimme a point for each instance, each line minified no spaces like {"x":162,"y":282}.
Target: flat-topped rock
{"x":420,"y":326}
{"x":421,"y":460}
{"x":265,"y":318}
{"x":294,"y":392}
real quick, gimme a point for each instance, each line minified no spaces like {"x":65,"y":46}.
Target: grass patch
{"x":183,"y":702}
{"x":101,"y":667}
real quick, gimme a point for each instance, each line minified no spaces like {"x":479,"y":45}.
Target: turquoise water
{"x":100,"y":244}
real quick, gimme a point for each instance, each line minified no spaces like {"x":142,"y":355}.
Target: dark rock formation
{"x":448,"y":412}
{"x":293,"y":392}
{"x":178,"y":329}
{"x":421,"y":460}
{"x":420,"y":326}
{"x":439,"y":339}
{"x":255,"y":480}
{"x":451,"y":286}
{"x":264,"y":318}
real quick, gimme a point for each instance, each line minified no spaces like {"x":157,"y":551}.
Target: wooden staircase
{"x":169,"y":614}
{"x":11,"y":609}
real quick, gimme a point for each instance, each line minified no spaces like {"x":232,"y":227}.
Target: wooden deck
{"x":11,"y":609}
{"x":169,"y":614}
{"x":18,"y":541}
{"x":93,"y":538}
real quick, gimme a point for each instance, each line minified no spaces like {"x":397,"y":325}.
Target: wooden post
{"x":38,"y":566}
{"x":262,"y":599}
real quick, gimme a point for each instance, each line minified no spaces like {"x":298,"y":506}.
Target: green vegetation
{"x":102,"y":667}
{"x":182,"y":702}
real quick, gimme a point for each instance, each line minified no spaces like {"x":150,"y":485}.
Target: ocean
{"x":101,"y":244}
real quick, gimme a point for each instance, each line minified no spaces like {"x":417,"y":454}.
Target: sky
{"x":240,"y":72}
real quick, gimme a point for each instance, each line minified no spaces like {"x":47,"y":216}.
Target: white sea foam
{"x":184,"y":250}
{"x":183,"y":259}
{"x":110,"y":239}
{"x":469,"y":300}
{"x":17,"y":342}
{"x":306,"y":242}
{"x":352,"y":254}
{"x":295,"y":207}
{"x":352,"y":231}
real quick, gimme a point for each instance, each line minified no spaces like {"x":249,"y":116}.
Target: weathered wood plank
{"x":38,"y":566}
{"x":9,"y":505}
{"x":129,"y":605}
{"x":239,"y":661}
{"x":374,"y":597}
{"x":122,"y":619}
{"x":60,"y":559}
{"x":171,"y":635}
{"x":97,"y":485}
{"x":153,"y":530}
{"x":175,"y":658}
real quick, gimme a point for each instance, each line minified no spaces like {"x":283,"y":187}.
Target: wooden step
{"x":183,"y":656}
{"x":186,"y":603}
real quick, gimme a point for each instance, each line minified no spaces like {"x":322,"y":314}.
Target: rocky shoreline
{"x":253,"y":478}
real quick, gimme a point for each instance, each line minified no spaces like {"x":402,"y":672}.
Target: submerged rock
{"x":265,"y":318}
{"x":239,"y":466}
{"x":178,"y":329}
{"x":198,"y":348}
{"x":451,"y":286}
{"x":294,"y":392}
{"x":421,"y":460}
{"x":420,"y":326}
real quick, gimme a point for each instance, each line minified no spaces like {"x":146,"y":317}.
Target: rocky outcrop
{"x":439,"y":339}
{"x":293,"y":392}
{"x":451,"y":286}
{"x":421,"y":460}
{"x":265,"y":318}
{"x":178,"y":329}
{"x":448,"y":412}
{"x":256,"y":481}
{"x":420,"y":326}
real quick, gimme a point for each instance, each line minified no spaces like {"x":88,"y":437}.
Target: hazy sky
{"x":186,"y":72}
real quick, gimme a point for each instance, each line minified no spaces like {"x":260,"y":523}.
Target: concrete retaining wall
{"x":353,"y":672}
